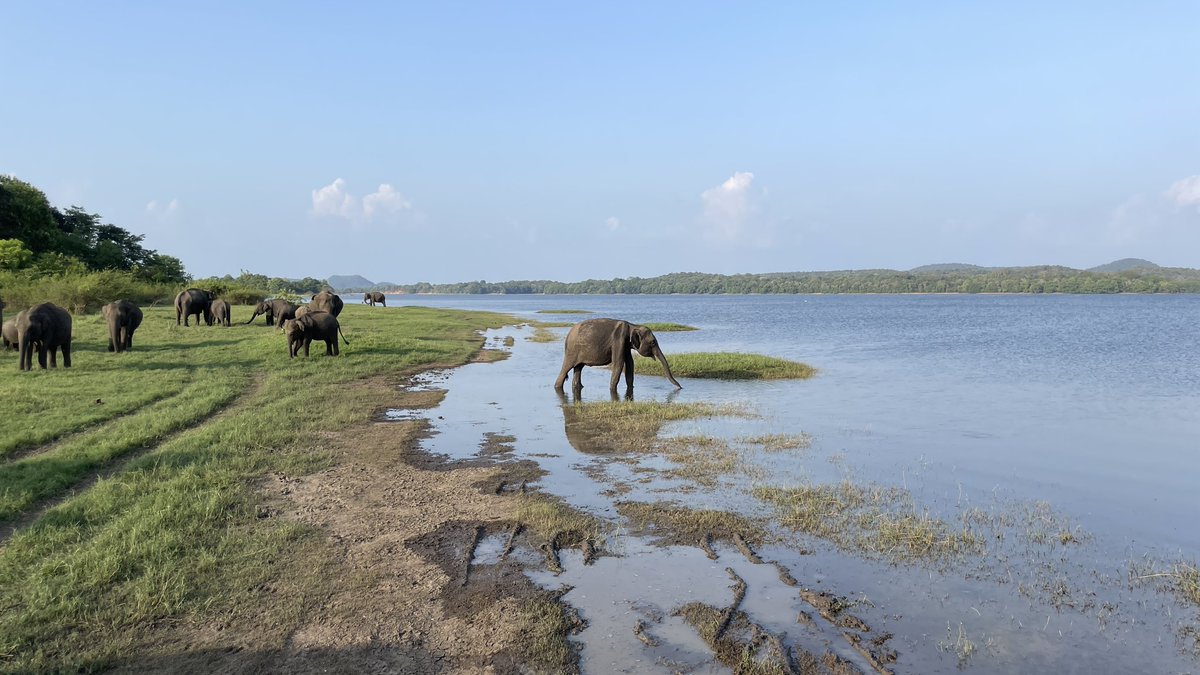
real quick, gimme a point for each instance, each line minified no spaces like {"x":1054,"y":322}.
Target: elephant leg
{"x":562,"y":374}
{"x":337,"y":350}
{"x":577,"y":380}
{"x":616,"y":374}
{"x":307,"y":342}
{"x":629,"y":373}
{"x":66,"y":350}
{"x":42,"y":355}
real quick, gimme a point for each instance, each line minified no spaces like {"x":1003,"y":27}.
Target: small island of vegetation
{"x":728,"y":366}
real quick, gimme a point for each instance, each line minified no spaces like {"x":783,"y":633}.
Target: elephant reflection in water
{"x":579,"y":438}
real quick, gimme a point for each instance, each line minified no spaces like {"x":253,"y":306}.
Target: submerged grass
{"x":633,"y":426}
{"x":175,"y":534}
{"x":727,"y":366}
{"x":677,"y":523}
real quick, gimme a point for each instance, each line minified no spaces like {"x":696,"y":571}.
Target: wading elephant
{"x":313,"y":326}
{"x":123,"y":317}
{"x":326,"y":301}
{"x":372,"y":297}
{"x":275,"y":310}
{"x":603,"y":342}
{"x":193,"y":301}
{"x":220,"y":311}
{"x":48,"y":328}
{"x":9,"y":333}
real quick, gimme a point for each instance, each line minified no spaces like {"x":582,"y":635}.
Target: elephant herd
{"x":45,"y":329}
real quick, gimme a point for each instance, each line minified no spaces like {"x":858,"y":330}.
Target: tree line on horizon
{"x":1043,"y":279}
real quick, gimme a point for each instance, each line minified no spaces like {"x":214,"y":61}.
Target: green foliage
{"x":13,"y":254}
{"x":79,"y":291}
{"x":662,"y":327}
{"x":174,"y":534}
{"x":249,"y":287}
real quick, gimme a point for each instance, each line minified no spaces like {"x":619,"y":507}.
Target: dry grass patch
{"x":545,"y":623}
{"x":542,"y":334}
{"x":779,"y":442}
{"x":673,"y":523}
{"x":633,"y":426}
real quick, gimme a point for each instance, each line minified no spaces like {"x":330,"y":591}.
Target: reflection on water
{"x":968,"y":403}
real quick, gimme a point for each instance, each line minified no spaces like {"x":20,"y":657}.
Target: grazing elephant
{"x":275,"y":310}
{"x":603,"y":342}
{"x":373,"y":297}
{"x":123,"y":317}
{"x":313,"y":326}
{"x":326,"y":301}
{"x":220,"y":311}
{"x":48,"y":327}
{"x":193,"y":301}
{"x":9,"y":333}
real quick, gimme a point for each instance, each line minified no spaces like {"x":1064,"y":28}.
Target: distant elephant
{"x":193,"y":301}
{"x":373,"y":297}
{"x":123,"y":318}
{"x":220,"y":311}
{"x":275,"y":310}
{"x":9,"y":333}
{"x":603,"y":342}
{"x":47,"y":327}
{"x":326,"y":301}
{"x":313,"y":326}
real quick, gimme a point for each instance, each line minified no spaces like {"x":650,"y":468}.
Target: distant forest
{"x":935,"y":279}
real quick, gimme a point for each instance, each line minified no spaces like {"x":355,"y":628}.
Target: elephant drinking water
{"x":603,"y":342}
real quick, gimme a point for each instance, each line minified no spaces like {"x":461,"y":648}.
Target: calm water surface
{"x":1090,"y":403}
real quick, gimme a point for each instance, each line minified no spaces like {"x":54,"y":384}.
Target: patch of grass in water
{"x":633,"y":426}
{"x":552,"y":519}
{"x":727,"y":366}
{"x":541,"y":334}
{"x":565,"y":311}
{"x":678,"y":524}
{"x":545,"y":624}
{"x":779,"y":442}
{"x":667,"y":327}
{"x":872,"y":520}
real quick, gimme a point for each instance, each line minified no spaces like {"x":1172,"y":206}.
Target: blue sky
{"x":458,"y":141}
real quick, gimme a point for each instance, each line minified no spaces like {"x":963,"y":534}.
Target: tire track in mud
{"x":118,"y":464}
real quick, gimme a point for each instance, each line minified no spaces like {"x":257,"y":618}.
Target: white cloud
{"x":612,"y":223}
{"x":334,"y":200}
{"x":153,"y":207}
{"x":732,"y":209}
{"x":1186,"y":191}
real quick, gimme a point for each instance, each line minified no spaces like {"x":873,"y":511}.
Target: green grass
{"x":632,"y":426}
{"x":174,"y":534}
{"x":565,"y":311}
{"x":669,"y":327}
{"x":727,"y":366}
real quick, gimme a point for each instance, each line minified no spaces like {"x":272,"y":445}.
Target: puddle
{"x":1022,"y":605}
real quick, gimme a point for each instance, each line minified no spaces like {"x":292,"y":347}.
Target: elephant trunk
{"x":25,"y":345}
{"x":114,"y":335}
{"x":666,"y":366}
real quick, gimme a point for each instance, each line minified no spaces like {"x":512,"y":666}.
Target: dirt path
{"x":378,"y":592}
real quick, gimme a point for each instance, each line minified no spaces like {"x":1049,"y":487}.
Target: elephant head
{"x":642,"y":339}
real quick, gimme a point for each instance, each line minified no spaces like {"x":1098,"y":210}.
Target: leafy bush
{"x":80,"y":292}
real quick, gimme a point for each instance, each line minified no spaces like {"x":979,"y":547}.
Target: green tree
{"x":13,"y":254}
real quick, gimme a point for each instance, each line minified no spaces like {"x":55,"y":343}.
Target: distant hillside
{"x":1124,"y":265}
{"x":349,"y":282}
{"x":950,"y":267}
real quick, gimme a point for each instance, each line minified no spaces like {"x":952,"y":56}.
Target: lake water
{"x":1088,"y":403}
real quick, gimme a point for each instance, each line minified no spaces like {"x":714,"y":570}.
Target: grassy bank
{"x":727,"y":366}
{"x":136,"y":485}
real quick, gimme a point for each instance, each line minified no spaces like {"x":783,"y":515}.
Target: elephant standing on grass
{"x":123,"y":317}
{"x":603,"y":342}
{"x":373,"y":297}
{"x":9,"y":333}
{"x":47,"y":327}
{"x":220,"y":312}
{"x":326,"y":301}
{"x":193,"y":301}
{"x":313,"y":326}
{"x":275,"y":310}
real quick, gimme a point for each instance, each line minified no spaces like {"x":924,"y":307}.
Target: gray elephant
{"x":193,"y":301}
{"x":313,"y":326}
{"x":48,"y":328}
{"x":8,"y":333}
{"x":220,"y":311}
{"x":603,"y":342}
{"x":326,"y":301}
{"x":275,"y":310}
{"x":302,"y":310}
{"x":123,"y":318}
{"x":373,"y":297}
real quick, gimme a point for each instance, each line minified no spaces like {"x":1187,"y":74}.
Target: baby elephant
{"x":9,"y":332}
{"x":220,"y":312}
{"x":313,"y":326}
{"x":123,"y":317}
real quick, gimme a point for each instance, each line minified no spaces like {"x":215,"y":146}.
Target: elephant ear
{"x":635,"y":337}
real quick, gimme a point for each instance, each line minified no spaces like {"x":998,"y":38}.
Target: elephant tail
{"x":343,"y":335}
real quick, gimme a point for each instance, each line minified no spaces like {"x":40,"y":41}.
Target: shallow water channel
{"x":1053,"y":587}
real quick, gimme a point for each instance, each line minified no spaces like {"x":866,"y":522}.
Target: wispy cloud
{"x":733,"y":210}
{"x":335,"y":201}
{"x":1186,"y":191}
{"x":612,"y":223}
{"x":155,"y":208}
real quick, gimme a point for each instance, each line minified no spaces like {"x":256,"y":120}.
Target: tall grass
{"x":80,"y":292}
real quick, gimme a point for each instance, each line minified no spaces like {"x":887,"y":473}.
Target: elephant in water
{"x":326,"y":301}
{"x":313,"y":326}
{"x":48,"y":328}
{"x":220,"y":312}
{"x":123,"y":318}
{"x":275,"y":310}
{"x":373,"y":297}
{"x":193,"y":301}
{"x":604,"y":342}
